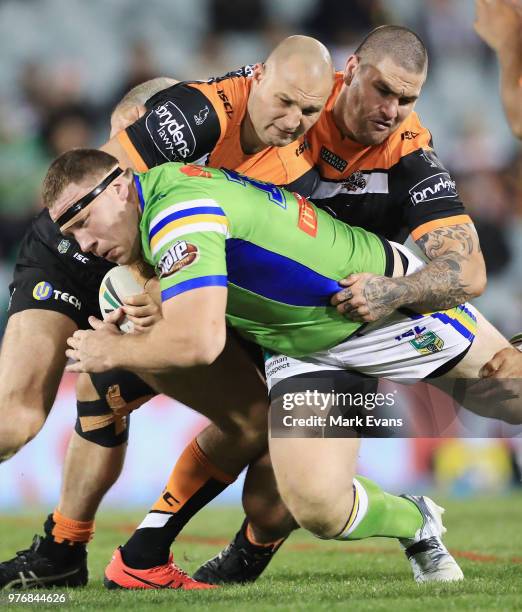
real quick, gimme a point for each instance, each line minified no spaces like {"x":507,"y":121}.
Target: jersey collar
{"x":139,"y":189}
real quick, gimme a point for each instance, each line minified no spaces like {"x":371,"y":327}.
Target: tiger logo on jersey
{"x":201,"y":117}
{"x":178,"y":256}
{"x":355,"y":181}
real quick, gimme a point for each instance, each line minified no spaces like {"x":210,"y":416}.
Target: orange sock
{"x":73,"y":531}
{"x":192,"y":470}
{"x":193,"y":483}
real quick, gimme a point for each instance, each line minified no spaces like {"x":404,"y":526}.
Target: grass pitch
{"x":485,"y":536}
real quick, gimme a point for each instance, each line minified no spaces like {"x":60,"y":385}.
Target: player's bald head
{"x":400,"y":44}
{"x":303,"y":56}
{"x":288,"y":93}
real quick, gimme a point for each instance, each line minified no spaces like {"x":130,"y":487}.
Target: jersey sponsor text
{"x":434,"y":187}
{"x":171,"y":132}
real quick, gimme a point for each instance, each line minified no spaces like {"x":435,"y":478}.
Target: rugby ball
{"x":117,"y":284}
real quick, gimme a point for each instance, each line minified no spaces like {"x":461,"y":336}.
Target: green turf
{"x":307,"y":574}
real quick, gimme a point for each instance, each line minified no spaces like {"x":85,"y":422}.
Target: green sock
{"x":377,"y":513}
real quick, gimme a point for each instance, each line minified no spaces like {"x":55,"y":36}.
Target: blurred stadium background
{"x":65,"y":63}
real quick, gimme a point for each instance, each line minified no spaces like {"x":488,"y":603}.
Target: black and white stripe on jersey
{"x":243,"y":72}
{"x":358,"y":183}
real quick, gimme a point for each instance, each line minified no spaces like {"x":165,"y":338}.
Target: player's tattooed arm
{"x":455,"y":274}
{"x":132,"y":105}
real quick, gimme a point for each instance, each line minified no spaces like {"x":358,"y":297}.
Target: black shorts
{"x":52,"y":273}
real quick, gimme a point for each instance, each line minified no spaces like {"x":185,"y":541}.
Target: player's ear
{"x":122,"y":185}
{"x":259,"y":71}
{"x":349,"y":70}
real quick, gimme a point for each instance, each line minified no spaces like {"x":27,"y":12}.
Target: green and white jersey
{"x":280,"y":257}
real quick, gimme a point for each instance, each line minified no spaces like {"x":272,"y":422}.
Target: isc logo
{"x":179,"y":256}
{"x":81,"y":258}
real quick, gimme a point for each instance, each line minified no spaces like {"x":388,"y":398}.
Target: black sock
{"x":150,"y":546}
{"x":60,"y":552}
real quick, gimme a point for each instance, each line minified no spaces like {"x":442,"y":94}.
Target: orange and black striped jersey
{"x":200,"y":121}
{"x":395,"y":188}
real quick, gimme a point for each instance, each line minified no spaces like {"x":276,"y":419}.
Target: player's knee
{"x":97,"y":423}
{"x":269,"y":514}
{"x":320,"y":512}
{"x":105,"y":402}
{"x":19,"y":424}
{"x":85,"y":390}
{"x":249,"y":429}
{"x":254,"y":437}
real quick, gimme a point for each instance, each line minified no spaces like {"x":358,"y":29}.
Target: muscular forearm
{"x":157,"y":351}
{"x":443,"y":283}
{"x":455,"y":273}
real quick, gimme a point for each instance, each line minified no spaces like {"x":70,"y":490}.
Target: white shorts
{"x":403,"y":346}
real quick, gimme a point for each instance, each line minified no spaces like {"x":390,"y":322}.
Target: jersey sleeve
{"x":45,"y":279}
{"x":187,"y":246}
{"x":181,"y":124}
{"x":35,"y":289}
{"x":427,"y":192}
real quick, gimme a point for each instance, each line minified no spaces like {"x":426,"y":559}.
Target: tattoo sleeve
{"x":455,"y":273}
{"x":141,"y":93}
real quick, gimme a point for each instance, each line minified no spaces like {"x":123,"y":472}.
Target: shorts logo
{"x":170,"y":131}
{"x":201,"y":117}
{"x":180,"y":255}
{"x":63,"y":247}
{"x":333,"y":160}
{"x":274,"y":364}
{"x":43,"y":291}
{"x":434,"y":187}
{"x":427,"y":343}
{"x":355,"y":181}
